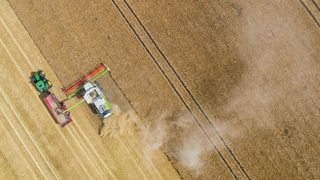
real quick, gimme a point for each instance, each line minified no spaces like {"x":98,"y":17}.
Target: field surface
{"x":201,"y":89}
{"x":33,"y":146}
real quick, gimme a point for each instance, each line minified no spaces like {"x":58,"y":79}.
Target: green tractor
{"x":42,"y":84}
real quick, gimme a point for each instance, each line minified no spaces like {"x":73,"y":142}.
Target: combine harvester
{"x":90,"y":91}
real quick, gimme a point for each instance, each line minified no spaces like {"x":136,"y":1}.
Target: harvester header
{"x":94,"y":74}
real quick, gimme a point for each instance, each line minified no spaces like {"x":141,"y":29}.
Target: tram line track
{"x":173,"y":85}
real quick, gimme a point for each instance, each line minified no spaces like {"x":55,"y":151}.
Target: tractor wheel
{"x":33,"y":79}
{"x":49,"y":84}
{"x":82,"y":92}
{"x":41,"y":74}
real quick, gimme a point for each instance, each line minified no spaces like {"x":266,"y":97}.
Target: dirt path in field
{"x":226,"y":89}
{"x":34,"y":146}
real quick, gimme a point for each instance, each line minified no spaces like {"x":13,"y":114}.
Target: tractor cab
{"x":42,"y":84}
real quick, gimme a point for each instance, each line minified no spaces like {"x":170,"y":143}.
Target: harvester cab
{"x":93,"y":95}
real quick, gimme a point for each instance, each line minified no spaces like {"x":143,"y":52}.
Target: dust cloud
{"x":175,"y":135}
{"x":118,"y":123}
{"x":190,"y":152}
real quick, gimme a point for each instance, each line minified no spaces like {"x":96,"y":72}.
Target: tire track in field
{"x":8,"y":120}
{"x":217,"y":138}
{"x":49,"y":115}
{"x":313,"y":10}
{"x":134,"y":156}
{"x":18,"y":116}
{"x":128,"y":23}
{"x":171,"y":84}
{"x":93,"y":150}
{"x":31,"y":65}
{"x":16,"y":42}
{"x":86,"y":154}
{"x":76,"y":140}
{"x":188,"y":91}
{"x":10,"y":145}
{"x":45,"y":110}
{"x":316,"y":5}
{"x":79,"y":129}
{"x":24,"y":127}
{"x":58,"y":128}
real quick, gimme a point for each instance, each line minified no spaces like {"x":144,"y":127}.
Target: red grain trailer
{"x":57,"y":110}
